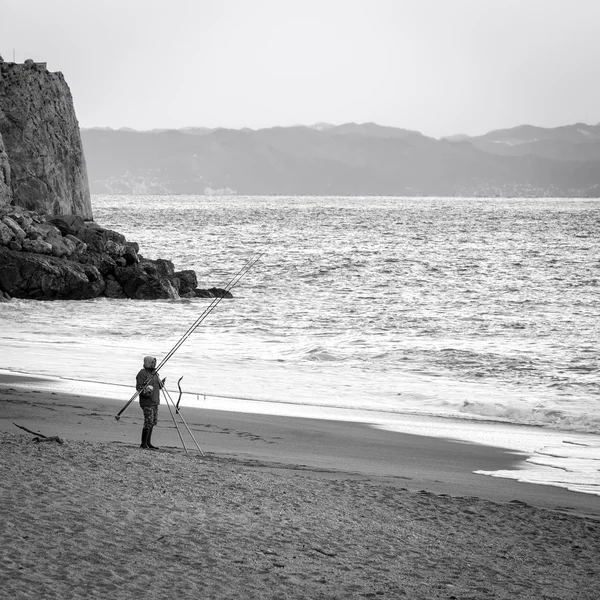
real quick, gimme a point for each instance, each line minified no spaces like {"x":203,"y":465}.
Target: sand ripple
{"x":92,"y":520}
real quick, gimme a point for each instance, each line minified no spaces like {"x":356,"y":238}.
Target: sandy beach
{"x":277,"y":507}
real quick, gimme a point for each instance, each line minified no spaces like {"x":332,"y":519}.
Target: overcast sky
{"x":437,"y":66}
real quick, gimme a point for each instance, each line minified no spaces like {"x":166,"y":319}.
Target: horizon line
{"x":325,"y":126}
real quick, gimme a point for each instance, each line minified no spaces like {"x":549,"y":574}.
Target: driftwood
{"x":40,"y":437}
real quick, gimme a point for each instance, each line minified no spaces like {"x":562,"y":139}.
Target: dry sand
{"x":277,"y":508}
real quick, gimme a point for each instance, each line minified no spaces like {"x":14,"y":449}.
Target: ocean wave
{"x":320,"y":354}
{"x":533,"y":415}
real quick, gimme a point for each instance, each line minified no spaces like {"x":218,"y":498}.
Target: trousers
{"x":150,"y":416}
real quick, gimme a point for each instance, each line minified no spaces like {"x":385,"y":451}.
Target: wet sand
{"x":278,"y":507}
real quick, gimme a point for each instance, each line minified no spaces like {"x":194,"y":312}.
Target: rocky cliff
{"x":50,"y":246}
{"x":42,"y":165}
{"x":5,"y":191}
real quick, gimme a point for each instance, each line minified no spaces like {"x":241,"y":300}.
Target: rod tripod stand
{"x":171,"y":405}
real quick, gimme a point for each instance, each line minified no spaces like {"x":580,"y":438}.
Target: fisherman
{"x":148,"y":384}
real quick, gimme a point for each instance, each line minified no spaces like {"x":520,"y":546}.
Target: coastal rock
{"x":104,"y":263}
{"x":34,"y":234}
{"x":14,"y":226}
{"x":156,"y":288}
{"x":60,"y":246}
{"x":47,"y":230}
{"x":42,"y":277}
{"x":130,"y":255}
{"x":220,"y":293}
{"x":44,"y":259}
{"x":212,"y":293}
{"x":97,"y":238}
{"x":113,"y":289}
{"x":6,"y":234}
{"x":187,"y":283}
{"x":50,"y":247}
{"x":36,"y":246}
{"x":25,"y":221}
{"x":42,"y":165}
{"x":80,"y":246}
{"x":5,"y":189}
{"x":160,"y":266}
{"x":68,"y":224}
{"x":148,"y":280}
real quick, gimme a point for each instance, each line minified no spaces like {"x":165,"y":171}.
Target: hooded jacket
{"x":145,"y":378}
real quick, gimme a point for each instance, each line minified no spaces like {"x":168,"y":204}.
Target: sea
{"x":474,"y":319}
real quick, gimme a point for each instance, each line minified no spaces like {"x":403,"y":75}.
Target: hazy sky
{"x":437,"y":66}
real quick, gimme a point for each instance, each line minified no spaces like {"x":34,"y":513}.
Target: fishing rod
{"x":178,"y":412}
{"x":215,"y":302}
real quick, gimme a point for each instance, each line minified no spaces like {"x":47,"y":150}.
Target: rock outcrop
{"x":41,"y":156}
{"x":66,"y":258}
{"x":5,"y":191}
{"x":50,"y":247}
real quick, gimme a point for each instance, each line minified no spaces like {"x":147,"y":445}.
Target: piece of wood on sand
{"x":40,"y":437}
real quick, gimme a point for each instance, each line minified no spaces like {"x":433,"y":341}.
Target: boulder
{"x":60,"y":246}
{"x":130,"y":255}
{"x":96,"y":237}
{"x":164,"y":268}
{"x":41,"y":277}
{"x":103,"y":240}
{"x":156,"y":288}
{"x":34,"y":234}
{"x":71,"y":245}
{"x":80,"y":246}
{"x":24,"y":221}
{"x":104,"y":263}
{"x":15,"y":227}
{"x":130,"y":278}
{"x":113,"y":289}
{"x":68,"y":224}
{"x":6,"y":234}
{"x":93,"y":274}
{"x":48,"y":230}
{"x":186,"y":282}
{"x":36,"y":246}
{"x":143,"y":281}
{"x":220,"y":293}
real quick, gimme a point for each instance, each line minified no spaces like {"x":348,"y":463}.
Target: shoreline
{"x":417,"y":462}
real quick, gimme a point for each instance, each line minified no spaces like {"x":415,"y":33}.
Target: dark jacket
{"x":143,"y":379}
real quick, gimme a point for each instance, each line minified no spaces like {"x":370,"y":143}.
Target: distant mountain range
{"x":350,"y":159}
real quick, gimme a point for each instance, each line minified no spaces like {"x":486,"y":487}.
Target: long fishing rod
{"x":232,"y":283}
{"x":215,"y":302}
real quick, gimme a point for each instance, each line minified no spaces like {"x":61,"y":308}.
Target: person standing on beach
{"x":148,"y":384}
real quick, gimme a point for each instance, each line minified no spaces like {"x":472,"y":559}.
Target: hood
{"x":149,"y":362}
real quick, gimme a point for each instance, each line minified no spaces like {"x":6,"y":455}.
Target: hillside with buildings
{"x":350,"y":159}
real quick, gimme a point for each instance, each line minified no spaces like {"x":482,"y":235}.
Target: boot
{"x":149,"y":440}
{"x":144,"y":443}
